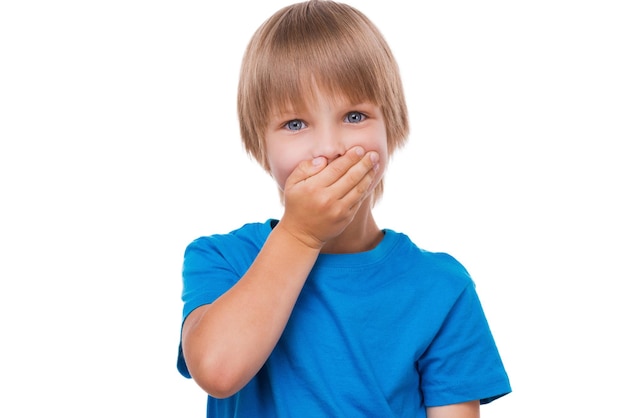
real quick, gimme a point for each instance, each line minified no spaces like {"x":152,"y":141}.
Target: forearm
{"x":227,"y":342}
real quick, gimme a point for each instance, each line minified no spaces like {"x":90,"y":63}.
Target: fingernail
{"x":317,"y":161}
{"x":359,"y":151}
{"x":374,"y":157}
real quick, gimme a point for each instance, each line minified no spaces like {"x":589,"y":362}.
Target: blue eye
{"x":295,"y":125}
{"x":355,"y":117}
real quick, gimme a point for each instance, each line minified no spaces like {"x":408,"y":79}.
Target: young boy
{"x":323,"y":313}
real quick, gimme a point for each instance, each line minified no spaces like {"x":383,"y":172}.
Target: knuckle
{"x":324,"y":202}
{"x":362,"y":188}
{"x":337,"y":169}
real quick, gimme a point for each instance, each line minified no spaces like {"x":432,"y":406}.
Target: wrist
{"x":298,"y":237}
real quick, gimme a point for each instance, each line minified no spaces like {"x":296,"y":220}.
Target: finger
{"x":357,"y":180}
{"x":306,"y":169}
{"x":359,"y":193}
{"x":340,"y":166}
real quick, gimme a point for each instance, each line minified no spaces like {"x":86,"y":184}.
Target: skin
{"x":327,"y":159}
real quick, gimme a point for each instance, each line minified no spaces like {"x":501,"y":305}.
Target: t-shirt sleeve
{"x":207,"y":273}
{"x":463,"y":363}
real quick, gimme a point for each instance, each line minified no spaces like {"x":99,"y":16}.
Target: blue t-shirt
{"x":382,"y":333}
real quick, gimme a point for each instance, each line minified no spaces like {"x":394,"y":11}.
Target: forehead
{"x":311,"y":91}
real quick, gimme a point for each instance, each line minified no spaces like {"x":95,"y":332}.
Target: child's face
{"x":326,"y":128}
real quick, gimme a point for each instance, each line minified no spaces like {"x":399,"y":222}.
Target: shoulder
{"x":234,"y":247}
{"x":250,"y":234}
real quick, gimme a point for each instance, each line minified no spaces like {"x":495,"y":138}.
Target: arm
{"x":227,"y":342}
{"x":459,"y":410}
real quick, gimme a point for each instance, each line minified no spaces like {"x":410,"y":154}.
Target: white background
{"x":119,"y":145}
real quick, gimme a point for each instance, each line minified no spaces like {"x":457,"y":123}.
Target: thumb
{"x":306,"y":169}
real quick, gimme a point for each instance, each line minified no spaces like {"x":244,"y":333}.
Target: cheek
{"x":281,"y":165}
{"x":378,"y":143}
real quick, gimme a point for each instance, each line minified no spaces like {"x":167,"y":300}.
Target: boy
{"x":324,"y":314}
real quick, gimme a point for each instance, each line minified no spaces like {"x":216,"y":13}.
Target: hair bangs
{"x":305,"y":54}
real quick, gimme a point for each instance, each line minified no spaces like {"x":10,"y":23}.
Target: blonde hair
{"x":323,"y":44}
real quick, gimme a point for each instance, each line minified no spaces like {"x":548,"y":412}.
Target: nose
{"x":329,"y":144}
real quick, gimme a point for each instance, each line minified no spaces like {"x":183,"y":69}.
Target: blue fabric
{"x":382,"y":333}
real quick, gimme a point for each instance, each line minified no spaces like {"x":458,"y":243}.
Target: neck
{"x":362,"y":234}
